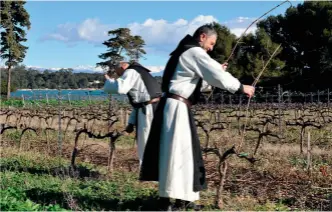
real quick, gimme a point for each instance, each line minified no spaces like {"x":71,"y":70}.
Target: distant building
{"x":94,"y":82}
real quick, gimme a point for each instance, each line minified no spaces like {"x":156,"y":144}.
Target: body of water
{"x":65,"y":94}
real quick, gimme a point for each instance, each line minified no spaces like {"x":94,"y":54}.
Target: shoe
{"x":182,"y":205}
{"x":194,"y":206}
{"x":164,"y":204}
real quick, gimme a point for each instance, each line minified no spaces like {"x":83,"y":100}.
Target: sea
{"x":88,"y":94}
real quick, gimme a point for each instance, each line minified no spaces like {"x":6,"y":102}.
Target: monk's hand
{"x":249,"y":90}
{"x":130,"y":128}
{"x":224,"y":66}
{"x":107,"y":77}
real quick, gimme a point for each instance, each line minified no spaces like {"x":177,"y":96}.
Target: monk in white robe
{"x":143,"y":92}
{"x":173,"y":155}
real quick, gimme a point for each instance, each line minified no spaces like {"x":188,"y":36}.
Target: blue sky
{"x":70,"y":34}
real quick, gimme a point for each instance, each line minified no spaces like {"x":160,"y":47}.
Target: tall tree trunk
{"x":8,"y":82}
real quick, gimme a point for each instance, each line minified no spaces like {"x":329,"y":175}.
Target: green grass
{"x":26,"y":190}
{"x":122,"y":192}
{"x":13,"y":199}
{"x":29,"y":182}
{"x":18,"y":103}
{"x":41,"y":164}
{"x":52,"y":102}
{"x":271,"y":206}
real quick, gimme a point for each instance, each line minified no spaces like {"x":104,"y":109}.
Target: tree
{"x":115,"y":46}
{"x":254,"y":54}
{"x":135,"y":49}
{"x":83,"y":82}
{"x":40,"y":82}
{"x":121,"y":42}
{"x":223,"y":47}
{"x":306,"y":36}
{"x":4,"y":88}
{"x":225,"y":42}
{"x":13,"y":18}
{"x":72,"y":84}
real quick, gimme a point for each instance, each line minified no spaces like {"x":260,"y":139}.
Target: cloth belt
{"x":177,"y":97}
{"x":152,"y":101}
{"x":142,"y":104}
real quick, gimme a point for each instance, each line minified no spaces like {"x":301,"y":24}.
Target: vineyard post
{"x":240,"y":100}
{"x":305,"y":98}
{"x":110,"y":107}
{"x":312,"y":98}
{"x":309,"y":155}
{"x":33,"y":95}
{"x":121,"y":115}
{"x":328,"y":97}
{"x":279,"y":103}
{"x":240,"y":103}
{"x":222,"y":169}
{"x":318,"y":96}
{"x":23,"y":100}
{"x":89,"y":97}
{"x":59,"y":134}
{"x":126,"y":116}
{"x":111,"y":145}
{"x":47,"y":98}
{"x":266,"y":94}
{"x":69,"y":99}
{"x":212,"y":98}
{"x":230,"y":100}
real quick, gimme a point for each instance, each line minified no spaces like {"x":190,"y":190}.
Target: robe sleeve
{"x":133,"y":116}
{"x":123,"y":84}
{"x":205,"y":87}
{"x":210,"y":70}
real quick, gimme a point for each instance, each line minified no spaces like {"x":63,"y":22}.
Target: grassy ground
{"x":35,"y":179}
{"x":36,"y":172}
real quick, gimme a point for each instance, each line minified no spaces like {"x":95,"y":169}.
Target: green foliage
{"x":302,"y":162}
{"x":27,"y":183}
{"x":41,"y":164}
{"x":270,"y":206}
{"x":305,"y":34}
{"x":224,"y":44}
{"x":14,"y":199}
{"x":303,"y":62}
{"x":254,"y":55}
{"x":23,"y":78}
{"x":120,"y":193}
{"x":26,"y":161}
{"x":121,"y":41}
{"x":13,"y":18}
{"x":135,"y":49}
{"x":4,"y":87}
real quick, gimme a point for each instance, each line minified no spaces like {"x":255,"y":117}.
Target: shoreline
{"x":47,"y":89}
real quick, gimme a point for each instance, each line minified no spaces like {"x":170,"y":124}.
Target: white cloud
{"x":155,"y":68}
{"x":238,"y":25}
{"x":162,"y":32}
{"x":157,"y":34}
{"x":239,"y":31}
{"x":160,"y":36}
{"x":91,"y":30}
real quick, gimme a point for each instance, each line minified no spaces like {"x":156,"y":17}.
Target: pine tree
{"x":13,"y":18}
